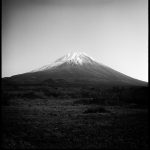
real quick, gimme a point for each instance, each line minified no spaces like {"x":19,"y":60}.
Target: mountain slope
{"x":77,"y":67}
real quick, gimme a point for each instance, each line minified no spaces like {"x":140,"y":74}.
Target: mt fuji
{"x":76,"y":68}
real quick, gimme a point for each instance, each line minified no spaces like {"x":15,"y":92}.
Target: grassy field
{"x":62,"y":123}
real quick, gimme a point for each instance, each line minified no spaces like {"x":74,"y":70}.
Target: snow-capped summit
{"x":76,"y":58}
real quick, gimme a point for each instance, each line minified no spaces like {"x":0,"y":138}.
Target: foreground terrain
{"x":47,"y":119}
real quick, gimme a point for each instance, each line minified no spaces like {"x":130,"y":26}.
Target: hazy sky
{"x":37,"y":32}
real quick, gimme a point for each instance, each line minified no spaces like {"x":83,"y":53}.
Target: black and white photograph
{"x":74,"y":74}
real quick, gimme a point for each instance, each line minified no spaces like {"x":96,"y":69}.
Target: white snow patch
{"x":78,"y":58}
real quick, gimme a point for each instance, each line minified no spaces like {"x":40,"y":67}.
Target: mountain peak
{"x":76,"y":58}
